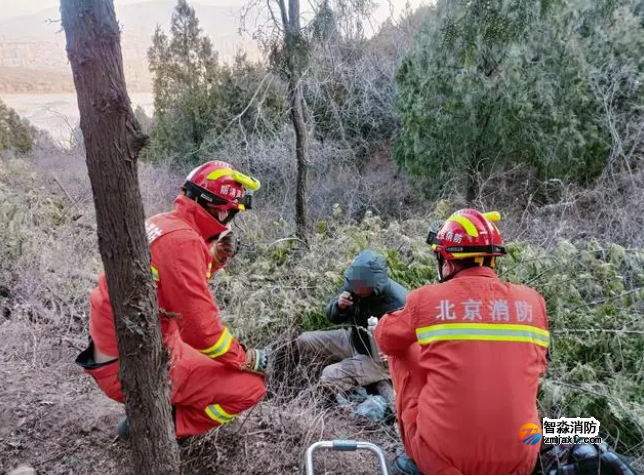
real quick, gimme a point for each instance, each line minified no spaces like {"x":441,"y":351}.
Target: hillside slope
{"x":53,"y":416}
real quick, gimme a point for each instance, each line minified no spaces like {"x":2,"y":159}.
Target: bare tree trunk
{"x":302,"y":156}
{"x":472,"y":184}
{"x":294,"y":61}
{"x":113,"y":140}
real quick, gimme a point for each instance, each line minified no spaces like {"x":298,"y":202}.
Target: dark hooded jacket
{"x":369,"y":269}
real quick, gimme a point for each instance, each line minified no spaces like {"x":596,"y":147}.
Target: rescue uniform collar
{"x":477,"y":271}
{"x":198,"y":218}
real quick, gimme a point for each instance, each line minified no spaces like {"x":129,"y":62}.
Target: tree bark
{"x":294,"y":63}
{"x":302,"y":156}
{"x":113,"y":139}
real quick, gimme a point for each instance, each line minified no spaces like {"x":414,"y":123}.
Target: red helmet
{"x":217,"y":184}
{"x":467,"y":234}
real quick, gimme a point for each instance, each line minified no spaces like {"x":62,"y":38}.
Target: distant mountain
{"x":34,"y":81}
{"x":139,"y":17}
{"x":36,"y":43}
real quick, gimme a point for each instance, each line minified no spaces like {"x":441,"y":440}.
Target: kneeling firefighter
{"x":466,"y":356}
{"x":213,"y":376}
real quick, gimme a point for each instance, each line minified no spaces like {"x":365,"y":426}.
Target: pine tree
{"x":15,"y":133}
{"x":184,"y":66}
{"x":496,"y":84}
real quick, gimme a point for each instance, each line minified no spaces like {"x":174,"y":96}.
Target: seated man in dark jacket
{"x":366,"y":292}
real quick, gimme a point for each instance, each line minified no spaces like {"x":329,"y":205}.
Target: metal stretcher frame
{"x":344,"y":446}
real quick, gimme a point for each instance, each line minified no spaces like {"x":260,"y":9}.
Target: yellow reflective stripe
{"x":221,"y":347}
{"x":209,"y":273}
{"x":466,"y":223}
{"x":219,"y":173}
{"x":485,"y":326}
{"x":155,"y":273}
{"x":218,"y":414}
{"x":517,"y":338}
{"x":465,"y":255}
{"x":483,"y":332}
{"x":493,"y":216}
{"x":249,"y":182}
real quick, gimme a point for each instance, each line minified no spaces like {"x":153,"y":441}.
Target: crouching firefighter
{"x":213,"y":376}
{"x":466,"y":356}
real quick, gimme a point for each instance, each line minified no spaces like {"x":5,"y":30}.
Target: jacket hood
{"x":368,"y":269}
{"x":198,"y":218}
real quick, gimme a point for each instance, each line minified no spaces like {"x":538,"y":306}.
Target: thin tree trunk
{"x":113,"y":140}
{"x":472,"y":183}
{"x":301,"y":154}
{"x":294,"y":64}
{"x":476,"y":167}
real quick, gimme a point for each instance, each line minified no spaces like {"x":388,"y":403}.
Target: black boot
{"x":123,"y":430}
{"x":403,"y":465}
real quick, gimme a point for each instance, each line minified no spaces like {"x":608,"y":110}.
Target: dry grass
{"x":54,"y":417}
{"x":612,"y":210}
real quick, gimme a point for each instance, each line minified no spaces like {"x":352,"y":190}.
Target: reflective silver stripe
{"x":509,"y":333}
{"x":483,"y":332}
{"x":221,"y":347}
{"x":217,"y":413}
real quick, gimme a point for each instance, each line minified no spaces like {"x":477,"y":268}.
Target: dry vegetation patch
{"x":55,"y":418}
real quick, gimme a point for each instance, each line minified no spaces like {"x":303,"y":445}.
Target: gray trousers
{"x":351,"y":369}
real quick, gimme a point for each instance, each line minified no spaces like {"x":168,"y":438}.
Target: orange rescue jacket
{"x":483,"y":348}
{"x":181,"y":267}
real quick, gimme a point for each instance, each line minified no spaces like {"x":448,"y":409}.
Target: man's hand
{"x":256,"y":361}
{"x":345,"y":301}
{"x":224,"y":248}
{"x":384,"y":358}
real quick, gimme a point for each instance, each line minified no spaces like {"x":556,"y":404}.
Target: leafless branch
{"x":284,"y":14}
{"x":289,"y":239}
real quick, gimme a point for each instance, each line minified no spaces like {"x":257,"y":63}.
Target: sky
{"x":15,"y":8}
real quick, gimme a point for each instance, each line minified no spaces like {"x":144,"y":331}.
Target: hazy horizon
{"x":10,"y":9}
{"x":53,"y":107}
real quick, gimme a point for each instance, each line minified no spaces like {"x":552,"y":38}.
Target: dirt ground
{"x":55,"y":419}
{"x":51,"y":416}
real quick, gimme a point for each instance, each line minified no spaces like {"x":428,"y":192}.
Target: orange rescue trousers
{"x":205,"y":392}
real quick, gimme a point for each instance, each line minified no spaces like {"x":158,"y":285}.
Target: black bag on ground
{"x":581,"y":459}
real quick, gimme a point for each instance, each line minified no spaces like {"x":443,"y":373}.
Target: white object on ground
{"x":23,"y":470}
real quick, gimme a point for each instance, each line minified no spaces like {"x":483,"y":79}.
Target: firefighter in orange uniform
{"x":213,"y":376}
{"x":466,"y":356}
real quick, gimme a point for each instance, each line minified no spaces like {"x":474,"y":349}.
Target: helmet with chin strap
{"x":467,"y":234}
{"x":218,"y":187}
